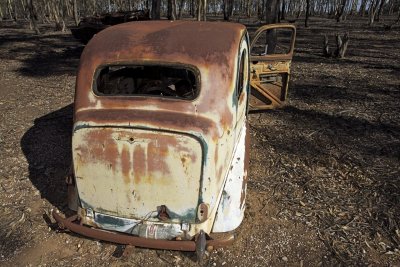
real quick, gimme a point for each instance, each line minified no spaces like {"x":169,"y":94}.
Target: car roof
{"x":189,"y":42}
{"x":210,"y":47}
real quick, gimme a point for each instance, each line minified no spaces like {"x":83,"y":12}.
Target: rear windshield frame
{"x":191,"y":68}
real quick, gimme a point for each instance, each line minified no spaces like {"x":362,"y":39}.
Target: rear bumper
{"x":125,"y":239}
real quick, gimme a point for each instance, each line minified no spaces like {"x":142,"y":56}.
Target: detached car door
{"x":271,"y":55}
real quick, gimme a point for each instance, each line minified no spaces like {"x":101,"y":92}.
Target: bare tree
{"x":325,"y":51}
{"x":10,"y":9}
{"x":340,"y":10}
{"x":201,"y":10}
{"x":283,"y":10}
{"x":171,"y":11}
{"x":271,"y":11}
{"x":372,"y":11}
{"x":227,"y":8}
{"x":155,"y":9}
{"x":378,"y":15}
{"x":33,"y":16}
{"x":271,"y":16}
{"x":76,"y":16}
{"x":341,"y":45}
{"x":363,"y":7}
{"x":307,"y":13}
{"x":57,"y":10}
{"x":180,"y":8}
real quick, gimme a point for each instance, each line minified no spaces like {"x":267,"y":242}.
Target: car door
{"x":271,"y":53}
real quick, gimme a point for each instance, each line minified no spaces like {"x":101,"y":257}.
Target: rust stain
{"x":159,"y":119}
{"x":183,"y":160}
{"x":184,"y":149}
{"x":125,"y":163}
{"x":157,"y":155}
{"x":99,"y":146}
{"x":139,"y":161}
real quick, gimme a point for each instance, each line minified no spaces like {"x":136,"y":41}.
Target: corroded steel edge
{"x":124,"y":239}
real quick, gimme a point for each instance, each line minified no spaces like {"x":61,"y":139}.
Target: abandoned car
{"x":161,"y":137}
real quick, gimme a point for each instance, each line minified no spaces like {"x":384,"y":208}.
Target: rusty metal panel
{"x":132,"y":172}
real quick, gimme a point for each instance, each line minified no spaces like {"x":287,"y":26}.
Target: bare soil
{"x":324,"y":183}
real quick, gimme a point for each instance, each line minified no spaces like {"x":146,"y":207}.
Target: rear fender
{"x":230,"y":211}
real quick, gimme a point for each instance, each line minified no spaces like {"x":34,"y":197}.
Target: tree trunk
{"x":248,"y":8}
{"x":201,"y":10}
{"x":155,"y":9}
{"x":75,"y":8}
{"x":15,"y":11}
{"x":378,"y":15}
{"x":56,"y":17}
{"x":362,"y":8}
{"x":59,"y":15}
{"x":204,"y":10}
{"x":353,"y":9}
{"x":191,"y":9}
{"x":227,"y":9}
{"x":341,"y":45}
{"x":372,"y":11}
{"x":130,"y":5}
{"x":340,"y":11}
{"x":64,"y":12}
{"x":23,"y":9}
{"x":180,"y":9}
{"x":33,"y":16}
{"x":283,"y":10}
{"x":199,"y":6}
{"x":230,"y":7}
{"x":260,"y":11}
{"x":307,"y":13}
{"x":171,"y":10}
{"x":325,"y":50}
{"x":9,"y":8}
{"x":271,"y":16}
{"x":68,"y":10}
{"x":298,"y":13}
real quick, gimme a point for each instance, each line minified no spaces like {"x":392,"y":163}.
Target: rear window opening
{"x":129,"y":80}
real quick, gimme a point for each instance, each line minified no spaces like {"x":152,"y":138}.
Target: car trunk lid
{"x":133,"y":173}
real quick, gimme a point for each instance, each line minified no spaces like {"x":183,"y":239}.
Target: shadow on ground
{"x":46,"y":55}
{"x":47,"y":148}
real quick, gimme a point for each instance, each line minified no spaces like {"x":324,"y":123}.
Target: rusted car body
{"x":160,"y":138}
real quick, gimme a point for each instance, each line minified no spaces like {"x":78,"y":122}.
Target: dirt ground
{"x":324,"y":186}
